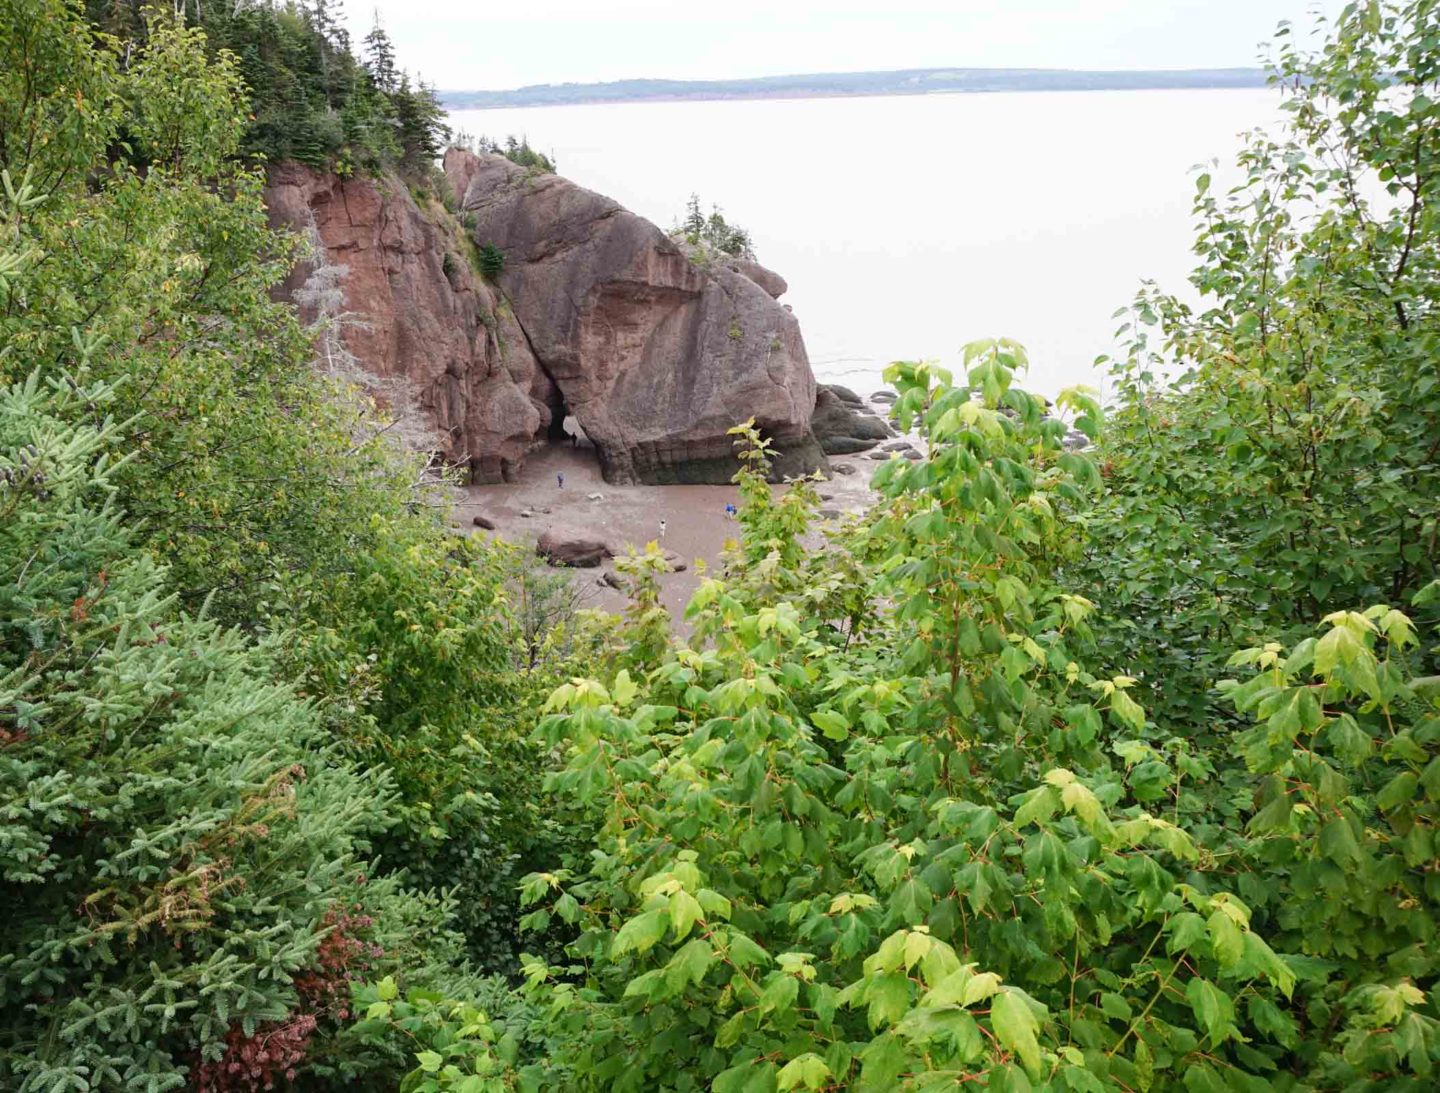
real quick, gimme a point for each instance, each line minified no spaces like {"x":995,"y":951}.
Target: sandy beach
{"x":625,"y":516}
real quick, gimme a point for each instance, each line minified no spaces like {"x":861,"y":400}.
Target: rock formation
{"x":596,"y":313}
{"x":844,"y":424}
{"x":415,"y":317}
{"x":655,"y":355}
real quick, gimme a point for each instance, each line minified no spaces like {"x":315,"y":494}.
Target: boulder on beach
{"x":575,"y":549}
{"x":846,"y":445}
{"x":844,"y":427}
{"x":843,"y":468}
{"x":483,"y":522}
{"x":884,"y":396}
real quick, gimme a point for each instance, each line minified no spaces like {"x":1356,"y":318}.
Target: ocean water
{"x":909,"y":226}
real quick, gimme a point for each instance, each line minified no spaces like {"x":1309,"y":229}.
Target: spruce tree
{"x":380,"y":58}
{"x":183,"y":862}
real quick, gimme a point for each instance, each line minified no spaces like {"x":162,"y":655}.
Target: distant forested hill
{"x":911,"y":81}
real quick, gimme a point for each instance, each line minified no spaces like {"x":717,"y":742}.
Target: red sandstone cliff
{"x":597,"y":312}
{"x":415,"y":310}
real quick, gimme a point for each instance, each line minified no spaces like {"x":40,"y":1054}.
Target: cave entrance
{"x":565,"y":428}
{"x":568,"y":443}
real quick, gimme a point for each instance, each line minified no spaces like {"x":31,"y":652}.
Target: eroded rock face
{"x":655,"y":356}
{"x":417,"y":313}
{"x":767,"y":279}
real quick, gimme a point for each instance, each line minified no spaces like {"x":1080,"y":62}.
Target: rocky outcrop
{"x":413,"y":316}
{"x":657,"y":356}
{"x":597,"y":313}
{"x":767,"y":279}
{"x":843,"y":424}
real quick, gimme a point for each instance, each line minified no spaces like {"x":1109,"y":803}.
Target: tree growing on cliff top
{"x":380,"y":58}
{"x":712,"y":233}
{"x":310,"y":98}
{"x":516,"y":149}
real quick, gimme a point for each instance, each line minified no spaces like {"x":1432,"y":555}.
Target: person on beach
{"x":560,"y":481}
{"x":662,"y":529}
{"x":730,"y":511}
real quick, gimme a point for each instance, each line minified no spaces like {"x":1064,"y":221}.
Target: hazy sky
{"x":466,"y":44}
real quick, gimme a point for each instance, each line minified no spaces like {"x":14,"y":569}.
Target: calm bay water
{"x":909,"y":226}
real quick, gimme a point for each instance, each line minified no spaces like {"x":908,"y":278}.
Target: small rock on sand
{"x":843,"y":468}
{"x":483,"y":522}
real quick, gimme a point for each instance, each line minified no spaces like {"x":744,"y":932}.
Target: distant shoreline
{"x":856,"y":85}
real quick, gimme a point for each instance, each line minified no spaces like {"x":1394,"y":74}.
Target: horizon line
{"x":830,"y":74}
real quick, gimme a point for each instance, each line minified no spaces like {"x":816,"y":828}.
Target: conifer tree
{"x":182,"y":861}
{"x":380,"y":58}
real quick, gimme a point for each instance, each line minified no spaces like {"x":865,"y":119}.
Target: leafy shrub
{"x":413,"y":649}
{"x":451,"y":1044}
{"x":948,"y":852}
{"x":176,"y":834}
{"x":1273,"y":454}
{"x":250,"y":470}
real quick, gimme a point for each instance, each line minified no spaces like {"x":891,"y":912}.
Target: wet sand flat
{"x":629,"y":516}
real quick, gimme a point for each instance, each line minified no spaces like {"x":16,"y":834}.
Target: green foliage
{"x":168,"y":272}
{"x":56,"y":104}
{"x":414,"y":650}
{"x":945,"y":796}
{"x":516,"y":150}
{"x":450,"y":1045}
{"x":180,"y":850}
{"x":943,"y":851}
{"x":221,"y":829}
{"x":1287,"y":467}
{"x":712,"y":234}
{"x":1346,"y":749}
{"x":185,"y":108}
{"x":492,"y":261}
{"x":311,"y":99}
